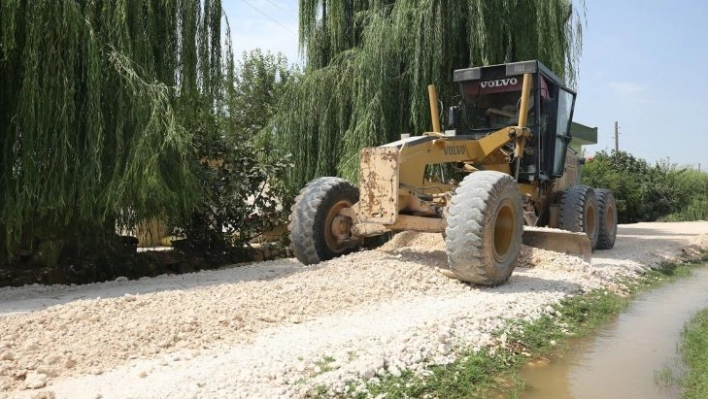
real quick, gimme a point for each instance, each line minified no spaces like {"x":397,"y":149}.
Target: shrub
{"x":647,"y":193}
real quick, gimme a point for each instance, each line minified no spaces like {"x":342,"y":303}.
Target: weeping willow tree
{"x":369,"y":63}
{"x":100,"y":101}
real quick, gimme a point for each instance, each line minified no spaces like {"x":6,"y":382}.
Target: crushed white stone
{"x":278,"y":329}
{"x":35,"y":380}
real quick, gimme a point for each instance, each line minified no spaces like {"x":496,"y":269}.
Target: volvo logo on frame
{"x":499,"y":83}
{"x":455,"y":150}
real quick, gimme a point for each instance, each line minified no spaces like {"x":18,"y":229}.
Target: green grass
{"x":696,"y":210}
{"x":668,"y":272}
{"x":694,"y":350}
{"x":472,"y":375}
{"x":494,"y":373}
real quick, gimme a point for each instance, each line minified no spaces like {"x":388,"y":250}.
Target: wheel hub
{"x":340,"y":227}
{"x":504,"y":226}
{"x":610,"y":219}
{"x":337,"y":227}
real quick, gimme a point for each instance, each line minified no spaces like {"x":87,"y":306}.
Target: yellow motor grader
{"x":508,"y":139}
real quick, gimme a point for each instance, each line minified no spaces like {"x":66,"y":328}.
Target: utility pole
{"x":617,"y":132}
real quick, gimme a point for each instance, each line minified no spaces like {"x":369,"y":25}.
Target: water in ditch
{"x":634,"y":357}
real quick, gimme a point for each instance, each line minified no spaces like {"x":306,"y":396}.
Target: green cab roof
{"x":582,"y":134}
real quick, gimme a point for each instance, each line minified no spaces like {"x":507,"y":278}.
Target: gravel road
{"x":276,"y":329}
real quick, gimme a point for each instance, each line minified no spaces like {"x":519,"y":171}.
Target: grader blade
{"x":576,"y":244}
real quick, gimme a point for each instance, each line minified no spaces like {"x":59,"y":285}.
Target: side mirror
{"x":453,"y":115}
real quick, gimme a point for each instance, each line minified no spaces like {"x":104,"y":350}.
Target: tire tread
{"x":470,"y":256}
{"x":605,"y":201}
{"x":305,"y":224}
{"x":572,"y":210}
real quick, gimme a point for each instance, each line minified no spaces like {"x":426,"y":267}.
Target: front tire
{"x":317,"y":231}
{"x":484,"y":228}
{"x":579,"y":212}
{"x":608,"y":219}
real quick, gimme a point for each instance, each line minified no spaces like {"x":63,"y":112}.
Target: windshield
{"x":494,"y":104}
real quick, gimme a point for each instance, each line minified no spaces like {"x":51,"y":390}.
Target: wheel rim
{"x":337,"y":227}
{"x":590,"y":226}
{"x":504,"y":229}
{"x":610,"y":221}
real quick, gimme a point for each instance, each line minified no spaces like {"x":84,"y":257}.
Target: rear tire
{"x":608,"y":219}
{"x":484,"y":228}
{"x":315,"y":227}
{"x":579,"y":212}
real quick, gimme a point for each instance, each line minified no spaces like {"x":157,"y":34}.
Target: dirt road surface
{"x":278,"y":329}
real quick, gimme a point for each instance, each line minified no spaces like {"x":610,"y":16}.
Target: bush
{"x":647,"y":193}
{"x":241,"y":175}
{"x":241,"y":198}
{"x":696,"y":183}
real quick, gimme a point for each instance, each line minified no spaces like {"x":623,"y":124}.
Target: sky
{"x":642,"y":65}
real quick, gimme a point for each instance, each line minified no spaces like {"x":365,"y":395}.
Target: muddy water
{"x":634,"y":357}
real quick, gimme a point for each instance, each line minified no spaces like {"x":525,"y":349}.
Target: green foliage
{"x":259,"y":84}
{"x":240,"y":198}
{"x":694,"y":183}
{"x":92,"y":122}
{"x":648,"y":193}
{"x":697,"y":209}
{"x":369,"y":64}
{"x":116,"y":114}
{"x":240,"y":176}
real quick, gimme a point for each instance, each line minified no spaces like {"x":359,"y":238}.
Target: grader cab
{"x":507,"y":141}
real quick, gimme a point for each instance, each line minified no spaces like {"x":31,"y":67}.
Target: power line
{"x":269,"y":17}
{"x":284,"y":11}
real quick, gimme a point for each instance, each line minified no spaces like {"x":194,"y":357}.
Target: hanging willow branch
{"x":98,"y":104}
{"x":369,"y":63}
